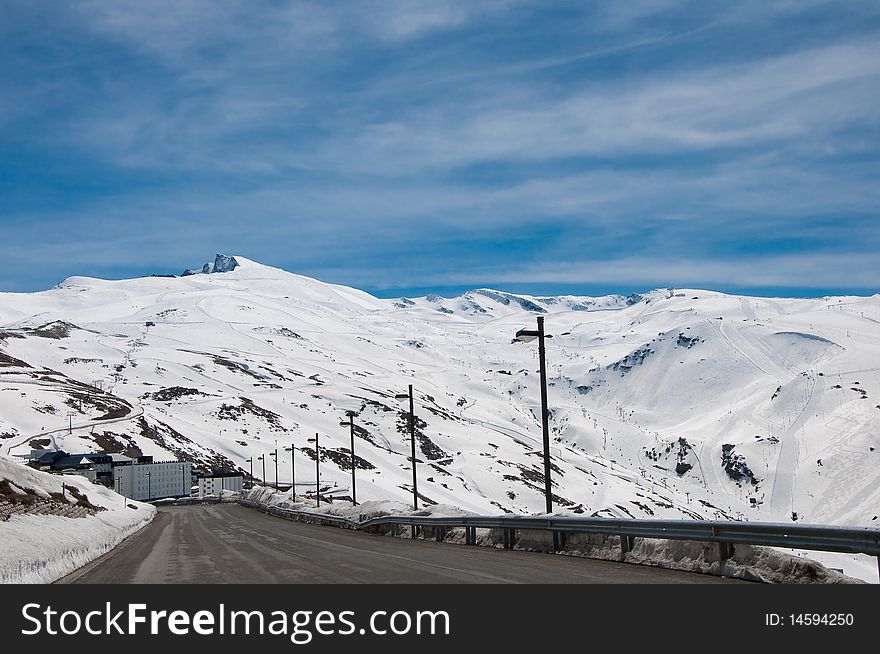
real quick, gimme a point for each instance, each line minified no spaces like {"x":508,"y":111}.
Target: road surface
{"x":228,"y":543}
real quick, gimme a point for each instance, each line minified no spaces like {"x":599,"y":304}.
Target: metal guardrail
{"x":809,"y":537}
{"x":726,"y":534}
{"x":313,"y":516}
{"x":195,"y":500}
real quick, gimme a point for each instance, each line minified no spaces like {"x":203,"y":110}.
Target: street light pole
{"x":274,"y":455}
{"x":292,"y":449}
{"x":251,"y":461}
{"x":526,"y":336}
{"x":545,"y":416}
{"x":353,"y":483}
{"x":149,"y":487}
{"x":317,"y":469}
{"x":262,"y":458}
{"x":412,"y":439}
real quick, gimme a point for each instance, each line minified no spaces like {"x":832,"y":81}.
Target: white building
{"x":153,"y":481}
{"x":219,"y":482}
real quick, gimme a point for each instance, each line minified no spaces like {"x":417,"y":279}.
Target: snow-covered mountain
{"x":674,"y":403}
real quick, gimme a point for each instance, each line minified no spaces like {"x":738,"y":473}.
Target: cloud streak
{"x":372,"y":142}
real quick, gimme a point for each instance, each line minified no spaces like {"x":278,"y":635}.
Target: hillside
{"x":674,"y":403}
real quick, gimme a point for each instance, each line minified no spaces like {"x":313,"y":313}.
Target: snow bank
{"x":860,"y":566}
{"x":343,"y":509}
{"x":751,"y":563}
{"x":43,"y":548}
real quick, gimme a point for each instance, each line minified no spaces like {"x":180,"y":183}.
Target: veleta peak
{"x":222,"y":263}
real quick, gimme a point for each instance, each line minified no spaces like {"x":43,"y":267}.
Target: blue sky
{"x":406,"y":146}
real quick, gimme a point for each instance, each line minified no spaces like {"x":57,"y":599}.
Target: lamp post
{"x":292,"y":449}
{"x":526,"y":336}
{"x":353,"y":486}
{"x":149,"y":486}
{"x":251,"y":461}
{"x":118,"y":480}
{"x":412,"y":438}
{"x":317,"y":467}
{"x":274,"y":455}
{"x":262,"y":458}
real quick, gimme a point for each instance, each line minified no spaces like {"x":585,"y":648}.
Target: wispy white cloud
{"x":805,"y":94}
{"x":846,"y":270}
{"x":786,"y":101}
{"x":842,"y":270}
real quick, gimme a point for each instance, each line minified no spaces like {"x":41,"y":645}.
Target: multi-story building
{"x":220,"y":481}
{"x":153,"y":481}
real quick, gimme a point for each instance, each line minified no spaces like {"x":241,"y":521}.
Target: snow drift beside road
{"x":43,"y":548}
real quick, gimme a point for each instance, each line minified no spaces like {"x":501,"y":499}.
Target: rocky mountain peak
{"x":222,"y":263}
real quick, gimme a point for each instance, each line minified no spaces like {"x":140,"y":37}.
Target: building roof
{"x":47,"y":458}
{"x":72,"y":461}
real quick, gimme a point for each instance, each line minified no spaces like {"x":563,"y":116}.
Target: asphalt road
{"x":228,"y":543}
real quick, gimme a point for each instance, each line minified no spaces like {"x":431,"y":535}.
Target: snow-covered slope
{"x":675,"y":403}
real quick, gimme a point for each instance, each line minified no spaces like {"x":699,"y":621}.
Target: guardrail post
{"x":439,"y":534}
{"x":725,"y":551}
{"x":562,"y":539}
{"x":470,"y":535}
{"x":626,"y":544}
{"x":508,"y":536}
{"x":395,"y":529}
